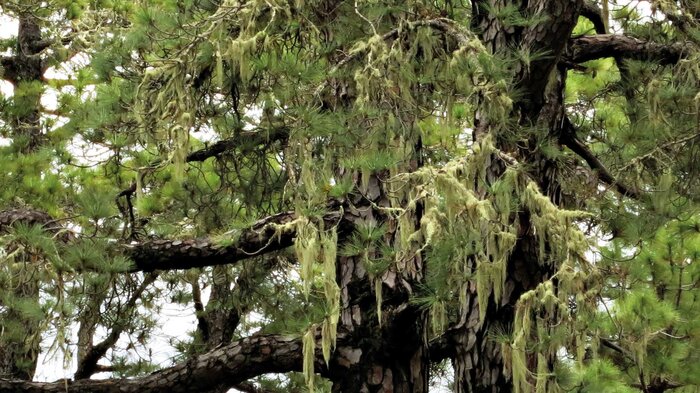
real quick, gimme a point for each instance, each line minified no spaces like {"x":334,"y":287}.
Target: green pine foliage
{"x":164,"y":78}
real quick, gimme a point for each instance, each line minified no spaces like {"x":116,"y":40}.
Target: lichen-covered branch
{"x":266,"y":235}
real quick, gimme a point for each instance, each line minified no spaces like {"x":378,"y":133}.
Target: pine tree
{"x":360,"y":194}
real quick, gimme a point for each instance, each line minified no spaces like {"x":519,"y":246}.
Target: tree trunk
{"x":18,"y":355}
{"x":26,"y":67}
{"x":480,"y":365}
{"x":391,"y":357}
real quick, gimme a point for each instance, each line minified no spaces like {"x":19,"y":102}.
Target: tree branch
{"x":266,"y":235}
{"x":202,"y":324}
{"x":9,"y":68}
{"x":229,"y":365}
{"x":88,"y":364}
{"x":592,"y":47}
{"x":218,"y":322}
{"x":269,"y":234}
{"x":245,"y":140}
{"x":249,"y":387}
{"x":570,"y":140}
{"x":27,"y":216}
{"x":591,"y":12}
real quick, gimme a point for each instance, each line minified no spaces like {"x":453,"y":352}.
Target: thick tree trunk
{"x":19,"y":346}
{"x":479,"y":362}
{"x":391,"y":357}
{"x":390,"y":352}
{"x":23,"y":68}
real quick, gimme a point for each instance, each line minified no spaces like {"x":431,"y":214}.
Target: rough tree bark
{"x":477,"y":359}
{"x":227,"y":365}
{"x":384,"y":356}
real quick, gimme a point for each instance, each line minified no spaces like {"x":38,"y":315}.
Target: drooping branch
{"x":591,"y":12}
{"x":599,"y":46}
{"x":444,"y":25}
{"x":570,"y":140}
{"x":87,"y":365}
{"x":218,"y":321}
{"x":246,"y":141}
{"x":227,"y":365}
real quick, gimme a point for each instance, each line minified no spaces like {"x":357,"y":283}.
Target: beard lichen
{"x":316,"y":246}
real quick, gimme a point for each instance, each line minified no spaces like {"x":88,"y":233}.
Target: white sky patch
{"x":8,"y":26}
{"x":63,"y":70}
{"x":6,"y":88}
{"x":49,"y":100}
{"x":87,"y":153}
{"x":175,"y":320}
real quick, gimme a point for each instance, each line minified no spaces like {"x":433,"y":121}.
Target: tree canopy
{"x":351,"y":195}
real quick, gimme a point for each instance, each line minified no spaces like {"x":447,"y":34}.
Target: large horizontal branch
{"x":592,"y":47}
{"x":266,"y":235}
{"x":246,"y":141}
{"x":227,"y":366}
{"x":11,"y":217}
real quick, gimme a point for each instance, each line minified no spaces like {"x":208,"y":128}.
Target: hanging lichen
{"x":316,"y":247}
{"x":309,"y":349}
{"x":476,"y":214}
{"x":329,"y":241}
